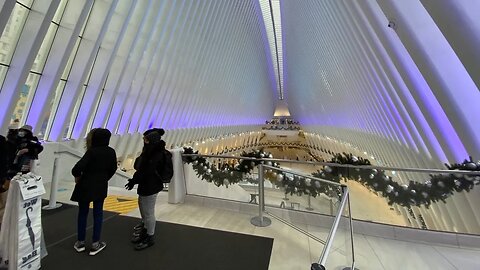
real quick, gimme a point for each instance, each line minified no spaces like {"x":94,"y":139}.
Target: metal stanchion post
{"x":52,"y":204}
{"x":309,"y":203}
{"x":331,"y":206}
{"x":260,"y":220}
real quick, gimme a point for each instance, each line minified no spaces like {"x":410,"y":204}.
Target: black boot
{"x":139,"y":227}
{"x":138,"y":236}
{"x":145,"y":243}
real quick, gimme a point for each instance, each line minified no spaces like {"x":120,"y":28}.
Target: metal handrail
{"x":333,"y":230}
{"x":351,"y":232}
{"x":53,"y":204}
{"x":262,"y":221}
{"x":342,"y":165}
{"x":345,"y":197}
{"x":304,"y":175}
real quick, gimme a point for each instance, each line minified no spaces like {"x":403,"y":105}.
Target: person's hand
{"x":77,"y":179}
{"x":129,"y":185}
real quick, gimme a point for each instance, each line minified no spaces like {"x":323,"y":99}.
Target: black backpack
{"x":165,"y":172}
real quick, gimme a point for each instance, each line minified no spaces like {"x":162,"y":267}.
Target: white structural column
{"x":389,"y":83}
{"x":176,"y":78}
{"x":119,"y":69}
{"x":166,"y":72}
{"x":145,"y":100}
{"x":431,"y":119}
{"x":367,"y":63}
{"x":441,"y":68}
{"x":102,"y":67}
{"x":6,"y":8}
{"x":127,"y":79}
{"x":397,"y":88}
{"x":198,"y":28}
{"x":65,"y":38}
{"x":372,"y":92}
{"x":151,"y":38}
{"x":95,"y":30}
{"x":37,"y":24}
{"x":459,"y":22}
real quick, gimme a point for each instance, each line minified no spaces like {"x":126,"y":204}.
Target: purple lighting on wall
{"x":36,"y":108}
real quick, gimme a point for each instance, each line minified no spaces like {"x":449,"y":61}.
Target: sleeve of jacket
{"x":79,"y":168}
{"x":113,"y":165}
{"x":136,"y":164}
{"x":35,"y":148}
{"x":3,"y":166}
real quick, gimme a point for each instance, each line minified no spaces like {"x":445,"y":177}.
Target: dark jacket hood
{"x":101,"y":137}
{"x":152,"y":148}
{"x":159,"y":146}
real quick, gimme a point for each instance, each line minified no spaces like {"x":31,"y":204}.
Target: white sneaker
{"x":79,"y":246}
{"x":97,"y":247}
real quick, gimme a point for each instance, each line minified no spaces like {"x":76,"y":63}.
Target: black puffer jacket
{"x":95,"y":168}
{"x":3,"y":159}
{"x":147,"y":166}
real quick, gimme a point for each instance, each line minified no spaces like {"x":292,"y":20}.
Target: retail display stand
{"x":21,"y":231}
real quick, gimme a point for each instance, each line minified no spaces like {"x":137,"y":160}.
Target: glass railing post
{"x":351,"y":231}
{"x":260,"y":220}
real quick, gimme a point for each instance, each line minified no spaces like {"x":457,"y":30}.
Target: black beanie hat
{"x":153,"y":137}
{"x":160,"y":131}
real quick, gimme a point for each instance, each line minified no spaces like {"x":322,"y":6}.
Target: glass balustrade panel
{"x":443,"y":200}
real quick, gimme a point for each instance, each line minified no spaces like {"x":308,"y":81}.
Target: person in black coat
{"x":147,"y":167}
{"x":92,"y":173}
{"x":11,"y":145}
{"x":3,"y":163}
{"x":4,"y":180}
{"x":23,"y":148}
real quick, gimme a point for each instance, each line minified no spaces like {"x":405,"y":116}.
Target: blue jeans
{"x":83,"y":208}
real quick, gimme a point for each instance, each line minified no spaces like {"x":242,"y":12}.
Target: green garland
{"x":226,"y":174}
{"x":438,"y":188}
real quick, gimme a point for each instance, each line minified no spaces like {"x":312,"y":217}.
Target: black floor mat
{"x":176,"y":246}
{"x":61,"y":223}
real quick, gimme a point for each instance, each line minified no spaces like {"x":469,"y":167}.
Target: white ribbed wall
{"x":203,"y":70}
{"x":132,"y":64}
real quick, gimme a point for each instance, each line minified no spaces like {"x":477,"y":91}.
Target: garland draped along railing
{"x":437,"y":188}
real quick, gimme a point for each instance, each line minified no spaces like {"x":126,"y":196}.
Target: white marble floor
{"x":294,"y":250}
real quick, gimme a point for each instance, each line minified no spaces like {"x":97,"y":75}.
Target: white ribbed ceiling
{"x":273,"y":27}
{"x":68,"y":66}
{"x":346,"y":70}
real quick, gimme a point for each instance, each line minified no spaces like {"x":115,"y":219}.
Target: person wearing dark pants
{"x":147,"y":166}
{"x":83,"y":208}
{"x":92,"y":173}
